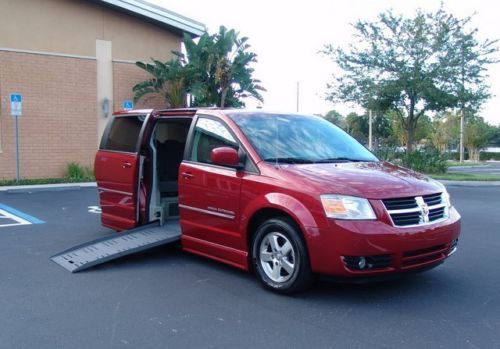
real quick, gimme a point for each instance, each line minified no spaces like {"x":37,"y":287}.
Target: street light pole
{"x":462,"y":135}
{"x":370,"y":129}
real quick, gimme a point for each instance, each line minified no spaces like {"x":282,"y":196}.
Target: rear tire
{"x":280,"y":256}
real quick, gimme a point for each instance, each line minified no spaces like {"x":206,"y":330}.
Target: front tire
{"x":280,"y":256}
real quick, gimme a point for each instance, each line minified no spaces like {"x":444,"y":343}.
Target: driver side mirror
{"x":226,"y":156}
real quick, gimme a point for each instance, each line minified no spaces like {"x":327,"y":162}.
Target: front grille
{"x":416,"y":210}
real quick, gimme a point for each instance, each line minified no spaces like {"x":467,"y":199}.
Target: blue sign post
{"x":127,"y":104}
{"x":16,"y":110}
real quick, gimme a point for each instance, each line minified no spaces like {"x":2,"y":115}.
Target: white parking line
{"x":6,"y":215}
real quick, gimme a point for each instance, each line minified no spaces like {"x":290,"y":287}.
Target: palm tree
{"x":216,"y":70}
{"x":219,"y":69}
{"x":168,"y":80}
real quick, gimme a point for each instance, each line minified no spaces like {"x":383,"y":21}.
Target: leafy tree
{"x":409,"y":66}
{"x":216,"y":70}
{"x":445,"y":129}
{"x":168,"y":81}
{"x":336,"y":118}
{"x":381,"y":127}
{"x":494,"y":136}
{"x":357,"y":126}
{"x":219,"y":69}
{"x":476,"y":136}
{"x":421,"y":132}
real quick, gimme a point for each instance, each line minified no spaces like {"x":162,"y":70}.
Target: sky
{"x":287,"y":35}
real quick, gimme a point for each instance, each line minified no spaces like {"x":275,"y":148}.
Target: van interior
{"x":167,"y":144}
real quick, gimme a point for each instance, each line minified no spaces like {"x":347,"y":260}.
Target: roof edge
{"x":158,"y":14}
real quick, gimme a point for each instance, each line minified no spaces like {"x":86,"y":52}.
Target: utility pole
{"x":370,"y":144}
{"x":462,"y":122}
{"x":298,"y":89}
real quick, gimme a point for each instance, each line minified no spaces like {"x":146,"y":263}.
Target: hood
{"x":372,"y":180}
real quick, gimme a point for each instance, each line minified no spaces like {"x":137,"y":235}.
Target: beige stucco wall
{"x":72,"y":27}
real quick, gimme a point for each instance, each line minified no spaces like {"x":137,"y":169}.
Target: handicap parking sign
{"x":16,"y":104}
{"x":127,"y":104}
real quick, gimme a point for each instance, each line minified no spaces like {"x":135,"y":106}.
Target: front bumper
{"x":333,"y":249}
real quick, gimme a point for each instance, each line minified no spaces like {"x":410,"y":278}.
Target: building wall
{"x":58,"y":124}
{"x":125,"y":76}
{"x":48,"y":54}
{"x":72,"y":27}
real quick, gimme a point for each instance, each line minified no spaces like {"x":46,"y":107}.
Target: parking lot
{"x":170,"y":299}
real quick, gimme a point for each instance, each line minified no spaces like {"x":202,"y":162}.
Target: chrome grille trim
{"x":425,"y":209}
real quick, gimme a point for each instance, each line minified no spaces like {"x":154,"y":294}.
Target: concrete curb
{"x":46,"y":187}
{"x":77,"y":186}
{"x":471,"y":183}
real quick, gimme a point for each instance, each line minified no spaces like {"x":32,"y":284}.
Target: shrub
{"x":484,"y":156}
{"x":76,"y":172}
{"x":426,"y":160}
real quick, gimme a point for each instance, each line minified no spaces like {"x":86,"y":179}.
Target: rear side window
{"x":123,"y":134}
{"x":210,"y":134}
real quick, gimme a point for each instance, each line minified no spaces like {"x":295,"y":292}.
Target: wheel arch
{"x":276,"y":205}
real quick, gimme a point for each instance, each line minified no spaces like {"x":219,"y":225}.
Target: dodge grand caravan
{"x":288,"y":196}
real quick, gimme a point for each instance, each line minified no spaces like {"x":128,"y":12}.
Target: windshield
{"x":299,"y":139}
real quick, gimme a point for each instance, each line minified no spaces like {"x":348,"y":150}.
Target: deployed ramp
{"x":105,"y":249}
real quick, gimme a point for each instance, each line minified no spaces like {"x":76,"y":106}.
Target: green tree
{"x":445,"y":129}
{"x":357,"y":126}
{"x":216,"y":70}
{"x":219,"y":69}
{"x":494,"y":136}
{"x":335,"y":118}
{"x":409,"y":66}
{"x":422,"y":131}
{"x":476,"y":136}
{"x":168,"y":81}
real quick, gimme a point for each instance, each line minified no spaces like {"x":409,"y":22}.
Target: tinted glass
{"x":210,"y":134}
{"x":124,"y":133}
{"x":300,"y":137}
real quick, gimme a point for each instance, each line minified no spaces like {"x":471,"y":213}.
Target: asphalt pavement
{"x":166,"y":298}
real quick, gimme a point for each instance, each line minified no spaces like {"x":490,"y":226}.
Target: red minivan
{"x":286,"y":195}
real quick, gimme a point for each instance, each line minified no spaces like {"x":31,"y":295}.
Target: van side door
{"x":117,"y":171}
{"x":209,"y":194}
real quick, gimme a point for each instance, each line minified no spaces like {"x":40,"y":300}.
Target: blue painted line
{"x":31,"y":219}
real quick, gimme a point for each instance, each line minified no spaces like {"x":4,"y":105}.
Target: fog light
{"x":362,"y":263}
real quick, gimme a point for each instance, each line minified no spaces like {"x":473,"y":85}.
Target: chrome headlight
{"x":347,"y":207}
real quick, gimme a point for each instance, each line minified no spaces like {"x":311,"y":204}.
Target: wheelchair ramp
{"x":105,"y":249}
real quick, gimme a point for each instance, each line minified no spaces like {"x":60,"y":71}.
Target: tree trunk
{"x":223,"y":97}
{"x":410,"y":131}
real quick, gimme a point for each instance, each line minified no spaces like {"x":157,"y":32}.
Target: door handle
{"x":187,"y":175}
{"x":126,"y":164}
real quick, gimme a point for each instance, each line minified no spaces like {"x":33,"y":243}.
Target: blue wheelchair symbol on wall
{"x":127,"y":105}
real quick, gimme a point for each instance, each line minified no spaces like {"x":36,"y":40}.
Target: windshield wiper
{"x":340,"y":159}
{"x":290,"y":160}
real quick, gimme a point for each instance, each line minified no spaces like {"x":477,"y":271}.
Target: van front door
{"x":209,"y":196}
{"x":117,"y":171}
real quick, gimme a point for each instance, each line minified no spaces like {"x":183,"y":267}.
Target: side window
{"x":123,"y":134}
{"x":210,"y":134}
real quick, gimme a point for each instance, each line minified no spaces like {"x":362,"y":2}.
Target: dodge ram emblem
{"x":424,"y":209}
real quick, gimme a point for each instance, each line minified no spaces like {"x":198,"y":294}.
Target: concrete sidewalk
{"x":46,"y":187}
{"x":76,"y":186}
